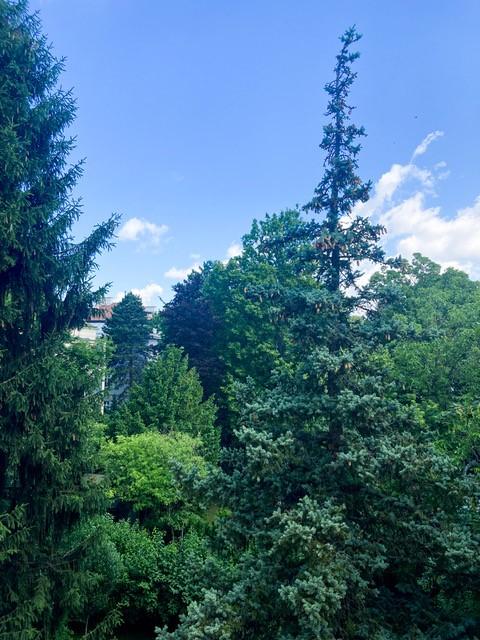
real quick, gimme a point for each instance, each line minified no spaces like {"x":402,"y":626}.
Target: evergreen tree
{"x":343,"y":238}
{"x":189,"y":321}
{"x":219,"y":315}
{"x":129,"y":330}
{"x":344,"y":520}
{"x":46,"y":388}
{"x":169,"y":399}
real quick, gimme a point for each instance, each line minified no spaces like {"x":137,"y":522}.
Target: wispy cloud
{"x":391,"y":181}
{"x":426,"y":142}
{"x":142,"y":231}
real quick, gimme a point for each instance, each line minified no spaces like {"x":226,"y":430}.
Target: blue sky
{"x":196,"y":116}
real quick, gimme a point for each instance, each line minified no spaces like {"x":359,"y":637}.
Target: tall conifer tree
{"x":45,"y":290}
{"x":343,"y":238}
{"x":129,"y":330}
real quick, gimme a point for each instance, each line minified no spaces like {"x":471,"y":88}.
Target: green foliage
{"x":47,"y":389}
{"x":346,"y":504}
{"x":253,"y":336}
{"x":188,"y":321}
{"x":169,"y":398}
{"x":434,"y":348}
{"x":141,"y":472}
{"x":220,"y":315}
{"x":129,"y":330}
{"x":137,"y":575}
{"x":46,"y":279}
{"x":345,"y":520}
{"x":13,"y":533}
{"x":238,"y":308}
{"x":47,"y":412}
{"x":460,"y":435}
{"x":435,"y":336}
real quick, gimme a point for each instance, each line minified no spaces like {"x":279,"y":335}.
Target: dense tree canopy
{"x":169,"y":398}
{"x":344,"y":502}
{"x":433,"y":350}
{"x":344,"y":513}
{"x":252,"y":335}
{"x":141,"y":475}
{"x":434,"y":330}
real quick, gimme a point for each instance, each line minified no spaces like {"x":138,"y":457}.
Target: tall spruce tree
{"x":129,"y":330}
{"x":343,"y":239}
{"x":343,"y":521}
{"x":45,"y":290}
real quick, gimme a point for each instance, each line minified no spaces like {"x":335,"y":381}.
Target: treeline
{"x":295,"y":457}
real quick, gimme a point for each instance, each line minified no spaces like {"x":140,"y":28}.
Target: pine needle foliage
{"x":129,"y":330}
{"x":343,"y":238}
{"x":47,"y":384}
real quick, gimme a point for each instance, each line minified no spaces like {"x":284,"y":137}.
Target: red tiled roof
{"x":102,"y":312}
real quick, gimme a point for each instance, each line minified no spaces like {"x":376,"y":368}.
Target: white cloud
{"x":149,"y":294}
{"x":391,"y":181}
{"x":400,"y":203}
{"x":426,"y":142}
{"x":175,"y":273}
{"x":234,"y":250}
{"x":451,"y":241}
{"x":179,"y":273}
{"x":143,"y":231}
